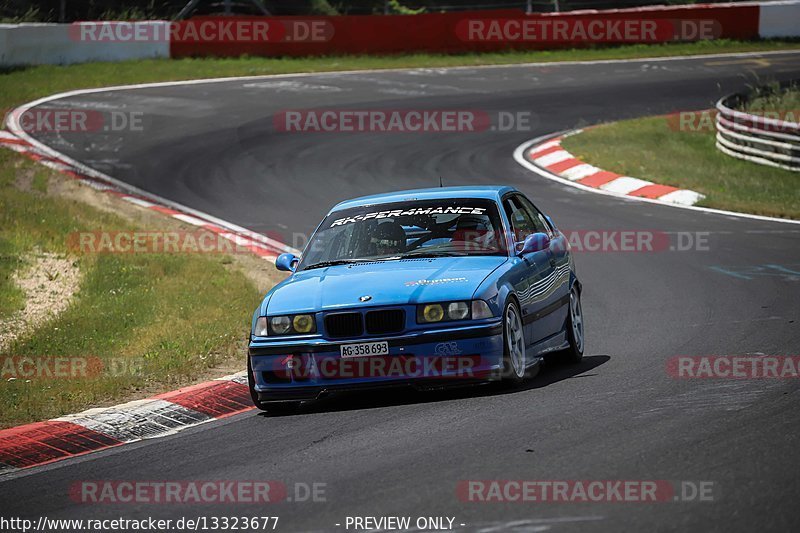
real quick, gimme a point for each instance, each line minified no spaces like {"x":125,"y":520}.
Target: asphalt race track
{"x":618,"y":415}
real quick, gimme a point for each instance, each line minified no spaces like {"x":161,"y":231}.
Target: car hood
{"x":407,"y":281}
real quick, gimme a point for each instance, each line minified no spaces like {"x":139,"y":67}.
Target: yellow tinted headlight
{"x":303,"y":323}
{"x":433,"y":313}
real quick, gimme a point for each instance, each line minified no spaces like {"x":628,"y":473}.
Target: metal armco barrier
{"x":757,"y":138}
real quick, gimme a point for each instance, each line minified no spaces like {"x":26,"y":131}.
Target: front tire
{"x":273,"y":408}
{"x":575,"y":335}
{"x":513,"y":345}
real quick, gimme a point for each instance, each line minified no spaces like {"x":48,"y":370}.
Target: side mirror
{"x":535,"y":242}
{"x":286,"y":262}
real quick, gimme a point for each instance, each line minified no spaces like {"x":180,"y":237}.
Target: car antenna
{"x":440,"y":182}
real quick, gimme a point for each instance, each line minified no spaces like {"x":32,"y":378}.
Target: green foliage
{"x":18,"y":16}
{"x":774,"y":98}
{"x":396,"y":8}
{"x":323,"y":7}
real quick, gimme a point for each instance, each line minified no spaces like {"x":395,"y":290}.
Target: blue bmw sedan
{"x":424,"y":288}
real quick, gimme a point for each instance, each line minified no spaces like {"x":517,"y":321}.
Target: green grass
{"x":772,"y":98}
{"x":18,"y":86}
{"x":653,"y":149}
{"x":11,"y":298}
{"x":170,"y":316}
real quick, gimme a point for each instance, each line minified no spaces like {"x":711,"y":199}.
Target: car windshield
{"x":418,"y":228}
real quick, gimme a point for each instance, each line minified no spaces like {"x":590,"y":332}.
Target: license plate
{"x":366,"y":349}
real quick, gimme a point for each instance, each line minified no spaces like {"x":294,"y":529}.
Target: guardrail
{"x":63,"y":44}
{"x":760,"y":139}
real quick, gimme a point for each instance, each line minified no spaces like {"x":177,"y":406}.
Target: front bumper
{"x":306,"y":369}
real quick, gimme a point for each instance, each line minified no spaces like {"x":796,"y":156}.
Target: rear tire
{"x":273,"y":408}
{"x":574,"y":354}
{"x":513,"y":345}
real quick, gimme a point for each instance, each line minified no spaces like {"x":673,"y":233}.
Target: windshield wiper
{"x":431,"y":253}
{"x":442,"y":253}
{"x":323,"y":264}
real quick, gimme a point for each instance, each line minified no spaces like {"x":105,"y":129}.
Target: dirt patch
{"x":23,"y":177}
{"x":49,"y":283}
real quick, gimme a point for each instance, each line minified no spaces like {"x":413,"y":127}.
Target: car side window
{"x":521,"y":222}
{"x":538,"y":218}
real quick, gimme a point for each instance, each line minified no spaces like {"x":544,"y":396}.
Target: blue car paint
{"x":389,"y":283}
{"x":539,"y":281}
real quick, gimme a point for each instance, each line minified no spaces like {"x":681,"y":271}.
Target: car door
{"x":551,"y":287}
{"x":529,"y":270}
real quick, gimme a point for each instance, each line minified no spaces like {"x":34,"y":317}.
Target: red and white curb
{"x":577,"y":174}
{"x":100,"y":428}
{"x":551,"y":156}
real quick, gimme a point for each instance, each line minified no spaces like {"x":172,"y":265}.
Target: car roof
{"x":487,"y":192}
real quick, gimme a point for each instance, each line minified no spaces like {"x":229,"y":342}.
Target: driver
{"x":389,"y":238}
{"x":473,"y":233}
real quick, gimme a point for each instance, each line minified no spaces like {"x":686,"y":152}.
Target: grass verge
{"x":154,"y":321}
{"x":772,"y":98}
{"x":654,"y":149}
{"x":23,"y":85}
